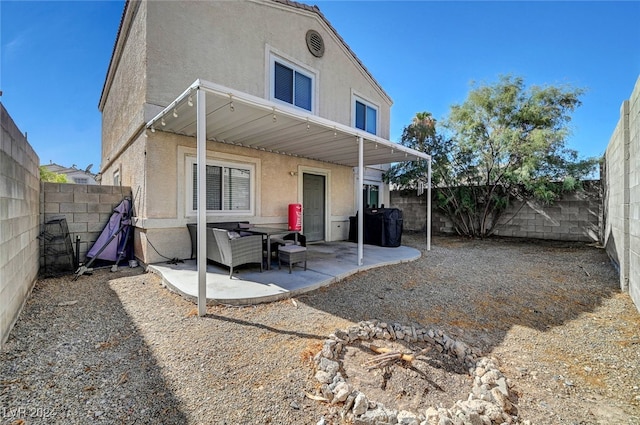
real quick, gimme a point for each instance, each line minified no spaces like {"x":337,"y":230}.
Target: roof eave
{"x":126,"y":21}
{"x":316,"y":10}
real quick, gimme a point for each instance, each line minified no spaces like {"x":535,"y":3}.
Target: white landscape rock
{"x":489,"y":397}
{"x":341,"y":392}
{"x":360,"y":405}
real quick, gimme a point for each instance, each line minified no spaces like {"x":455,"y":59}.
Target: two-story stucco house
{"x":74,"y":174}
{"x":268,"y":92}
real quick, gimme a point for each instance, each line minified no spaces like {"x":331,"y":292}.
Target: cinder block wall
{"x":87,"y":209}
{"x":575,"y":217}
{"x":616,"y":201}
{"x":634,"y":195}
{"x":621,"y":180}
{"x":19,"y":224}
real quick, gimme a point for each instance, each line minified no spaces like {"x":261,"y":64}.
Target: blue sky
{"x":54,"y":57}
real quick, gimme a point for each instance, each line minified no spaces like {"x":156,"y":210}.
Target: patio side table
{"x":291,"y":254}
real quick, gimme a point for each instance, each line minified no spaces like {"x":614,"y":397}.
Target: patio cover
{"x":211,"y":112}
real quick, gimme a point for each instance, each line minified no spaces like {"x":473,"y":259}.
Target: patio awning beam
{"x":241,"y":118}
{"x":201,"y":102}
{"x":360,"y":201}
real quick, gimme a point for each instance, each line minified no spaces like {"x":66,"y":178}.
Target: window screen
{"x":303,"y":91}
{"x":361,"y":115}
{"x":236,"y":189}
{"x":371,"y":120}
{"x":370,"y":195}
{"x":283,"y":84}
{"x":214,"y":187}
{"x":366,"y":117}
{"x":292,"y":86}
{"x":228,"y":188}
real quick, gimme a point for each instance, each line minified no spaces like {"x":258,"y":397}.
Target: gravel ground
{"x":118,"y":348}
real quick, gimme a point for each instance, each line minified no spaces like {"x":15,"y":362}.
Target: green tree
{"x":506,"y":142}
{"x":51,"y":177}
{"x":422,"y":136}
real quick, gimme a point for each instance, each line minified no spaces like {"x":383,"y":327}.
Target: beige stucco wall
{"x":228,"y":43}
{"x":275,"y":186}
{"x":124,"y":98}
{"x":171,"y":44}
{"x":162,"y":217}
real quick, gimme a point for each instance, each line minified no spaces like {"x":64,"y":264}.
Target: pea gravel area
{"x":118,"y":348}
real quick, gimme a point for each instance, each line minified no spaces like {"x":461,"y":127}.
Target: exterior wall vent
{"x":315,"y":43}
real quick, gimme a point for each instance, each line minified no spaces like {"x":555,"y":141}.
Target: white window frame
{"x":358,"y":98}
{"x":369,"y":185}
{"x":297,"y":67}
{"x":117,"y":181}
{"x":188,"y":173}
{"x":372,"y":177}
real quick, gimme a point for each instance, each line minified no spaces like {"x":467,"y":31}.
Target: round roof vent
{"x":315,"y":43}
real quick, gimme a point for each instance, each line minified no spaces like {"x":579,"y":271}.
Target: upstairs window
{"x":366,"y":117}
{"x":292,"y":85}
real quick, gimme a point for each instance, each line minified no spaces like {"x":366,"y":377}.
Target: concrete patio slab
{"x":326,"y":263}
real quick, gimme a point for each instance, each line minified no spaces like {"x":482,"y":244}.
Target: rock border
{"x":488,"y":402}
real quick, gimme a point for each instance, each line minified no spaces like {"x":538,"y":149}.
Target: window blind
{"x":214,"y":187}
{"x":361,"y":115}
{"x":237,"y":189}
{"x":303,"y":91}
{"x":292,"y":86}
{"x":283,"y":83}
{"x":227,"y":188}
{"x":366,"y":117}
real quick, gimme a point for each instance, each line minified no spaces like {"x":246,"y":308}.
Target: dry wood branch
{"x":381,"y":360}
{"x":405,"y":357}
{"x":584,"y":270}
{"x":315,"y":397}
{"x":385,"y":357}
{"x":423,"y":351}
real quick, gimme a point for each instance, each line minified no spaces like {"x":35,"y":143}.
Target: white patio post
{"x":201,"y":159}
{"x":360,"y":200}
{"x":429,"y":204}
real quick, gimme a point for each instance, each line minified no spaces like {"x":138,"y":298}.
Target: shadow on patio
{"x":326,"y":263}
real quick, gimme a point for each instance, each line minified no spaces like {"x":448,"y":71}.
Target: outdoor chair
{"x":289,"y":239}
{"x":226,"y":248}
{"x":193,"y":232}
{"x":292,"y":254}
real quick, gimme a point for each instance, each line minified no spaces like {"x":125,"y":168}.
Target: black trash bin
{"x":373,"y":226}
{"x":382,"y":227}
{"x":353,"y":228}
{"x":392,"y":223}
